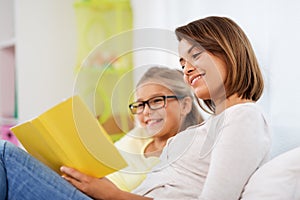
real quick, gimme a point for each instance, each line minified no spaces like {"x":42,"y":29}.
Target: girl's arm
{"x":97,"y":188}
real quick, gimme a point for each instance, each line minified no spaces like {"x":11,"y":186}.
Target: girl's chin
{"x":151,"y":131}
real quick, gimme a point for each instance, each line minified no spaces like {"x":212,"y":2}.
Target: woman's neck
{"x":223,"y":104}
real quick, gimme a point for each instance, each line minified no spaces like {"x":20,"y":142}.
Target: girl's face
{"x":163,"y":122}
{"x":203,"y":71}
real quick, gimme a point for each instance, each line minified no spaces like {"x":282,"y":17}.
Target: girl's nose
{"x":146,"y":109}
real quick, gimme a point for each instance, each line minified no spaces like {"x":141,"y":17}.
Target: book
{"x":68,"y":134}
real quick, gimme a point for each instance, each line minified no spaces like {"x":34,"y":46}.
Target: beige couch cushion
{"x":278,"y":179}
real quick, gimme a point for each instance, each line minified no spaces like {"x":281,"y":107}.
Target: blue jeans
{"x":24,"y":177}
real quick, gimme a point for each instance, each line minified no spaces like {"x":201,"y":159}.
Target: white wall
{"x":46,"y":47}
{"x":272,"y":27}
{"x":46,"y":54}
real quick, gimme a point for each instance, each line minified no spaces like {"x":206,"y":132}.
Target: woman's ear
{"x":186,"y":105}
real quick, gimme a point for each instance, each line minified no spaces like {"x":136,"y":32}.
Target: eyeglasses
{"x":153,"y":103}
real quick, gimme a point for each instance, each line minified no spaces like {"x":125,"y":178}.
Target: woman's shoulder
{"x":242,"y":119}
{"x":243,"y":110}
{"x":245,"y":107}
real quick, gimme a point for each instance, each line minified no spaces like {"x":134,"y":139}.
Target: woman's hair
{"x":224,"y":38}
{"x":172,"y":79}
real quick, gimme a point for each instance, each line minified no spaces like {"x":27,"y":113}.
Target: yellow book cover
{"x":68,"y":134}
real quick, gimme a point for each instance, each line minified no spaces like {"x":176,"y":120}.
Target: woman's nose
{"x":188,"y":68}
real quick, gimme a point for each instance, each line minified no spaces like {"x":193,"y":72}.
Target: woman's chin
{"x":201,"y":93}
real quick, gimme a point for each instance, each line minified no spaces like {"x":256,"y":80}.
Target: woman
{"x":164,"y":105}
{"x":215,"y":159}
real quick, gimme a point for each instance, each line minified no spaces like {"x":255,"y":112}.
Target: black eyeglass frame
{"x":131,"y":106}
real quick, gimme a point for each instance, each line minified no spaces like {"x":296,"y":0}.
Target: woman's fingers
{"x":73,"y":181}
{"x":79,"y":180}
{"x":98,"y":188}
{"x":73,"y":173}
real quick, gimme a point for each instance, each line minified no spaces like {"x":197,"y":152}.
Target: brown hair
{"x":173,"y":80}
{"x":224,"y":38}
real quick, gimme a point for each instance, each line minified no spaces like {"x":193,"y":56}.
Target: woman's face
{"x":163,"y":122}
{"x":203,"y":71}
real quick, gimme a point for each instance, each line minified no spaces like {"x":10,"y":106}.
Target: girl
{"x":164,"y":106}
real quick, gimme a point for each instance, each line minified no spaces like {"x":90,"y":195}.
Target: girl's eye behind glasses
{"x":153,"y":103}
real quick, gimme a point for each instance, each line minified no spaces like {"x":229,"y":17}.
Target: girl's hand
{"x":94,"y":187}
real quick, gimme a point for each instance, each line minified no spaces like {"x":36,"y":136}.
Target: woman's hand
{"x":94,"y":187}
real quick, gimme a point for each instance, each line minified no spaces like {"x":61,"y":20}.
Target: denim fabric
{"x":24,"y":177}
{"x":3,"y":183}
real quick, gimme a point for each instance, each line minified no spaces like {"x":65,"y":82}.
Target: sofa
{"x":278,"y":179}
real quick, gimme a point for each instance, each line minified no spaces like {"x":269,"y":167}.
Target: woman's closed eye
{"x":196,"y":55}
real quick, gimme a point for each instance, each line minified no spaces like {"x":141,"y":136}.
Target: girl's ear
{"x":186,"y":105}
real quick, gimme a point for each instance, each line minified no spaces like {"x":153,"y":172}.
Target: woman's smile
{"x":195,"y":78}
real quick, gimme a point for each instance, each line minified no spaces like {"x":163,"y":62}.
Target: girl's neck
{"x":155,"y":147}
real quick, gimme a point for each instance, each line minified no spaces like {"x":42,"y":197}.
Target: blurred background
{"x":43,"y":44}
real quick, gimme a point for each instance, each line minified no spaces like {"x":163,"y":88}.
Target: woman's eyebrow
{"x":190,"y":49}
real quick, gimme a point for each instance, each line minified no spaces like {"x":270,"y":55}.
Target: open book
{"x":68,"y":134}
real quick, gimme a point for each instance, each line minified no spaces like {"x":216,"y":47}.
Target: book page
{"x":73,"y":129}
{"x":45,"y":150}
